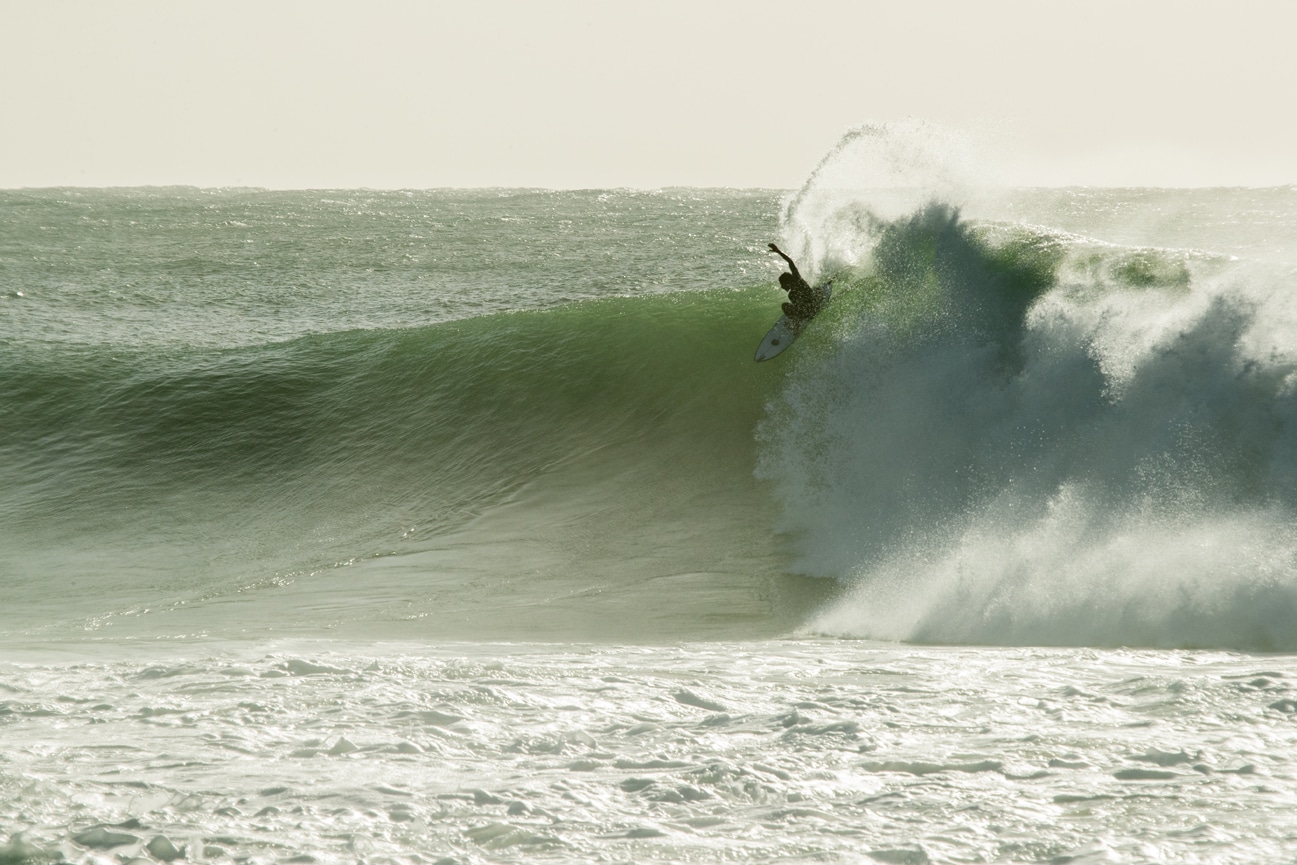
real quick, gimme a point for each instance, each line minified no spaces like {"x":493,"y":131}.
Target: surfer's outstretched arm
{"x":791,"y":264}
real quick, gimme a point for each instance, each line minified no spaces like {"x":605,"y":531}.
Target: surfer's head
{"x":786,"y":280}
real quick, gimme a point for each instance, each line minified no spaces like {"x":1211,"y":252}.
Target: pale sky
{"x":579,"y":93}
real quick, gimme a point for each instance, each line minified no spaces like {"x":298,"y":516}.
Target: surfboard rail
{"x":786,"y":329}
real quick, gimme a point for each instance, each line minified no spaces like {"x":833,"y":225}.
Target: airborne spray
{"x":1022,"y":435}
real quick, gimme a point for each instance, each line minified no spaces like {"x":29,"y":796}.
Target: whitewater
{"x":459,"y":526}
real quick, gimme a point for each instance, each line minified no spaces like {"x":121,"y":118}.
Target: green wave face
{"x":546,"y":444}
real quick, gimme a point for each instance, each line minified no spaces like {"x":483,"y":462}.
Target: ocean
{"x":459,"y":526}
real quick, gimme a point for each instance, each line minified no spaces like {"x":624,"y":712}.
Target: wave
{"x":998,"y":433}
{"x":1030,"y":437}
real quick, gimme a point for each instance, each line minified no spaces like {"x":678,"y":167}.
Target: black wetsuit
{"x":802,"y":302}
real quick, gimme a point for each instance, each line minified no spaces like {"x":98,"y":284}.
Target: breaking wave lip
{"x":1025,"y":437}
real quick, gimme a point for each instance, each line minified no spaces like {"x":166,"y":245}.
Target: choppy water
{"x":769,"y":751}
{"x":460,"y":526}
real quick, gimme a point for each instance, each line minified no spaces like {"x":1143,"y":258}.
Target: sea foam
{"x":1023,"y":435}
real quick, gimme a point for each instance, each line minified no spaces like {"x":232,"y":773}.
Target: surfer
{"x":802,"y":303}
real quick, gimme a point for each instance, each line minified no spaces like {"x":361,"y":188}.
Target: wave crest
{"x":1023,"y":436}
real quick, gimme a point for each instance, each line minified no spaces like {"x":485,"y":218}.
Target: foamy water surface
{"x":802,"y":750}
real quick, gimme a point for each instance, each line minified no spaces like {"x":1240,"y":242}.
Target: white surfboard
{"x":788,"y":329}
